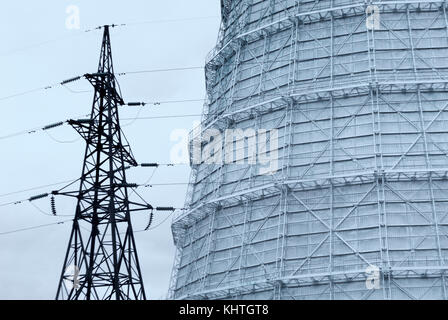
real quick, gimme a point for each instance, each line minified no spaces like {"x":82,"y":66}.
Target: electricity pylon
{"x":102,"y":262}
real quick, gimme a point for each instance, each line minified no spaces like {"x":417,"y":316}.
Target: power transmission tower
{"x":102,"y":263}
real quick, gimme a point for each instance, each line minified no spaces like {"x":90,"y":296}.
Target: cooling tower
{"x":357,"y":205}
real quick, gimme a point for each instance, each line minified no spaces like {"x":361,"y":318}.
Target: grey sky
{"x":30,"y":262}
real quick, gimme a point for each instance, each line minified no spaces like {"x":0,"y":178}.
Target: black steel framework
{"x":102,"y":263}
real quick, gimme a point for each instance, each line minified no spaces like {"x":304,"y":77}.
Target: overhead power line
{"x":35,"y":188}
{"x":172,"y":20}
{"x":71,"y":182}
{"x":160,"y":70}
{"x":35,"y":130}
{"x":46,"y":195}
{"x":157,"y":225}
{"x":42,"y":226}
{"x":158,"y":103}
{"x":77,"y":78}
{"x":77,"y":33}
{"x":165,"y":117}
{"x":65,"y":82}
{"x":65,"y":122}
{"x":51,"y":86}
{"x":23,"y":93}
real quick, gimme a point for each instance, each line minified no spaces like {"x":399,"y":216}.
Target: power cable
{"x":164,"y":117}
{"x":34,"y":227}
{"x":172,"y":20}
{"x":73,"y":181}
{"x":142,"y":104}
{"x":63,"y":83}
{"x":77,"y":78}
{"x":131,"y":122}
{"x":61,"y":141}
{"x":61,"y":123}
{"x":40,"y":210}
{"x":76,"y":91}
{"x":158,"y":225}
{"x":35,"y":188}
{"x":135,"y":186}
{"x":25,"y":93}
{"x":54,"y":214}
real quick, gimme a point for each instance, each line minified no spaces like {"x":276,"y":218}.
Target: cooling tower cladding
{"x":357,"y":207}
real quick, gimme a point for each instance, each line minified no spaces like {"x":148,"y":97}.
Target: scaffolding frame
{"x":394,"y":85}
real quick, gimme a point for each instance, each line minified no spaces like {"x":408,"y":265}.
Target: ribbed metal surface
{"x":362,"y":126}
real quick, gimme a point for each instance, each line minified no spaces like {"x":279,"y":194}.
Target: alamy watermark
{"x":232,"y":146}
{"x":73,"y":20}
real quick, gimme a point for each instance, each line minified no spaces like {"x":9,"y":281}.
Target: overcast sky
{"x":37,"y":50}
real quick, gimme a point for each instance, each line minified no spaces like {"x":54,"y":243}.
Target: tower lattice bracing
{"x":358,"y":91}
{"x":101,"y":261}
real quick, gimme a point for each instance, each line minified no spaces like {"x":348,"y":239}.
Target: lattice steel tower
{"x":358,"y":93}
{"x":101,"y":261}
